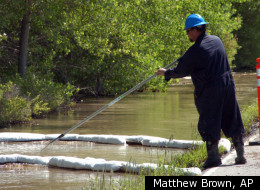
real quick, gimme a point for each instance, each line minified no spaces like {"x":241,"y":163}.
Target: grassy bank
{"x":250,"y":116}
{"x":192,"y":158}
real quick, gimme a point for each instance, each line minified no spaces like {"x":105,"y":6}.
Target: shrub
{"x":31,"y":96}
{"x":13,"y":108}
{"x":38,"y":106}
{"x":43,"y":92}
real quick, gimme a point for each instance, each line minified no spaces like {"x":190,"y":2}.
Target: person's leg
{"x":213,"y":159}
{"x":232,"y":124}
{"x":239,"y":146}
{"x":209,"y":105}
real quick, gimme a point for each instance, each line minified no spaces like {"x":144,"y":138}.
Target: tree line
{"x":51,"y":48}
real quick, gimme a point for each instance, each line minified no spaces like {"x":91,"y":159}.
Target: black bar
{"x":201,"y":182}
{"x":254,"y":143}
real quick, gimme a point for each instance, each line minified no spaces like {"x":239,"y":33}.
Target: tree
{"x":107,"y":46}
{"x":248,"y":35}
{"x":24,"y":38}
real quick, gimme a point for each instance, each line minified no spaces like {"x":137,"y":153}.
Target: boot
{"x":239,"y":146}
{"x":213,"y":159}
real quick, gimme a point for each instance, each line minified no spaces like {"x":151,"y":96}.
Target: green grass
{"x":250,"y":116}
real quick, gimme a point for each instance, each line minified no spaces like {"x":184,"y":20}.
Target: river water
{"x":169,"y":115}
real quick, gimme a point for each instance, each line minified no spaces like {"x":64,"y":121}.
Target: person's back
{"x":210,"y":62}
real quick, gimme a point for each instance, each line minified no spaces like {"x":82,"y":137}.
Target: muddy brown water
{"x":170,"y":114}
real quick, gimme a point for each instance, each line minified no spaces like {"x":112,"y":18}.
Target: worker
{"x":215,"y":97}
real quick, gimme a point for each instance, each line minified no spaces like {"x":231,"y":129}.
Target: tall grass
{"x":250,"y":116}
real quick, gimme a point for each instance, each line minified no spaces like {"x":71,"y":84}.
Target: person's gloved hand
{"x":160,"y":71}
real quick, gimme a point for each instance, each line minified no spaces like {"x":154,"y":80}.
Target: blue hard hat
{"x":194,"y":20}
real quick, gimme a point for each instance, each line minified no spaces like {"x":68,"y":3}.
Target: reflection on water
{"x":155,"y":114}
{"x":80,"y":149}
{"x":26,"y":177}
{"x":33,"y":177}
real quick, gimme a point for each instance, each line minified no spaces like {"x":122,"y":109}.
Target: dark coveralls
{"x":206,"y":61}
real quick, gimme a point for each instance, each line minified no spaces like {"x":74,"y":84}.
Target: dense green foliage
{"x":249,"y":35}
{"x":13,"y":107}
{"x":107,"y":46}
{"x":32,"y":96}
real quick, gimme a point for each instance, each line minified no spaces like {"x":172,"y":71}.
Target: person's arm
{"x":185,"y":66}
